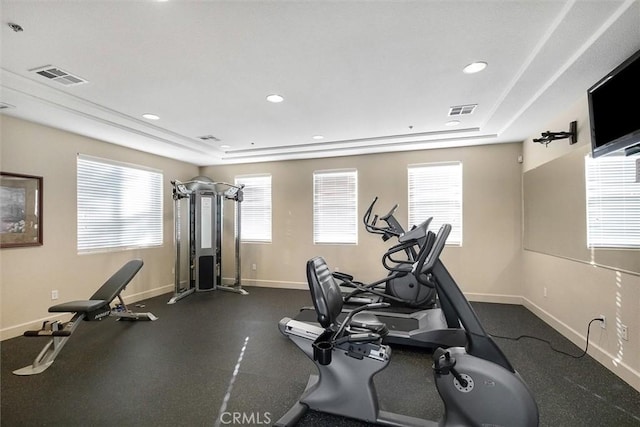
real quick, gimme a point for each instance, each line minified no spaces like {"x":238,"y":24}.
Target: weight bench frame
{"x":95,"y":308}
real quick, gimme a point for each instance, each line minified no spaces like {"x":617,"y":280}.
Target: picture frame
{"x":20,"y":210}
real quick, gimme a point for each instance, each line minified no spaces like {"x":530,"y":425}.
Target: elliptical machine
{"x":426,"y":328}
{"x":399,"y":287}
{"x":477,"y":384}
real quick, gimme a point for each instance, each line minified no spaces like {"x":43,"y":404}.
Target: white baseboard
{"x":615,"y":364}
{"x":130,"y":299}
{"x":494,"y":298}
{"x":268,"y":284}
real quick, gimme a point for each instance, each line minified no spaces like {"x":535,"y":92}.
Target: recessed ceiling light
{"x":150,"y":116}
{"x":318,"y":137}
{"x":475,"y":67}
{"x":275,"y":98}
{"x":452,"y":123}
{"x":225,"y":146}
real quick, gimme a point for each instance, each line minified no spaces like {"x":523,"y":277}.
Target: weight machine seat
{"x":78,"y":306}
{"x":105,"y":294}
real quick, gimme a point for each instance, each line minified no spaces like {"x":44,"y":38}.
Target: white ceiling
{"x":370,"y":76}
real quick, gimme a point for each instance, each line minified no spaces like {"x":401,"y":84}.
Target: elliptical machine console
{"x":477,"y":384}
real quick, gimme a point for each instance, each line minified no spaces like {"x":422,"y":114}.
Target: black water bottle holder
{"x":322,"y":348}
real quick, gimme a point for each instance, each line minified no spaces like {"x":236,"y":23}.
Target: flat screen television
{"x":614,"y":110}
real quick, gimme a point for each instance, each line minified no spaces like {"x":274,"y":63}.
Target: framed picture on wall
{"x":20,"y":210}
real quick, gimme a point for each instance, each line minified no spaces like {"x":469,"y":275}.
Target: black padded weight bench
{"x":95,"y":308}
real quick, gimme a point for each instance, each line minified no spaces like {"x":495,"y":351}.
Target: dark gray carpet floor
{"x":177,"y":370}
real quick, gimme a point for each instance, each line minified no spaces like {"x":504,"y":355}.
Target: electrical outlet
{"x":544,"y":292}
{"x":254,"y":267}
{"x":603,"y":321}
{"x":624,"y":333}
{"x":54,"y":295}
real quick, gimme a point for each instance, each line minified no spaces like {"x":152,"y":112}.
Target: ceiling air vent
{"x":209,"y":138}
{"x":462,"y":110}
{"x":58,"y":75}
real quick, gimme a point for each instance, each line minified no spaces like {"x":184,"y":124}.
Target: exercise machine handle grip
{"x":444,"y":364}
{"x":426,"y":263}
{"x":342,"y":276}
{"x":359,"y":338}
{"x":347,"y":320}
{"x":375,"y":306}
{"x":371,"y":227}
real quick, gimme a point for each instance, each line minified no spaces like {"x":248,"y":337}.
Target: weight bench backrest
{"x":98,"y":305}
{"x":325,"y":292}
{"x":116,"y":283}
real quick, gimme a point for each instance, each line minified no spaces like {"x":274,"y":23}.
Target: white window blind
{"x":256,"y":208}
{"x":335,"y":206}
{"x":119,"y":205}
{"x":613,"y":202}
{"x":435,"y":190}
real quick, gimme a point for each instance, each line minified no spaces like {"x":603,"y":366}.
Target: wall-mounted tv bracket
{"x":548,"y":136}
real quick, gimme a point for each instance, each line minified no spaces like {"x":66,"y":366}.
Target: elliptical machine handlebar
{"x":427,"y":258}
{"x":415,"y":237}
{"x":392,"y":228}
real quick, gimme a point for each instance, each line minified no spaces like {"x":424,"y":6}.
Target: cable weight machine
{"x":197,"y":213}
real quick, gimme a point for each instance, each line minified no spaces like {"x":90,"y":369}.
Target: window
{"x":256,"y":208}
{"x":335,"y":207}
{"x":119,"y":206}
{"x":435,"y":190}
{"x":613,"y":202}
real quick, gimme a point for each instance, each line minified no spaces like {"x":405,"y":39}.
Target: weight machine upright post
{"x":176,"y":239}
{"x":237,"y":286}
{"x":238,"y":235}
{"x":179,"y":293}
